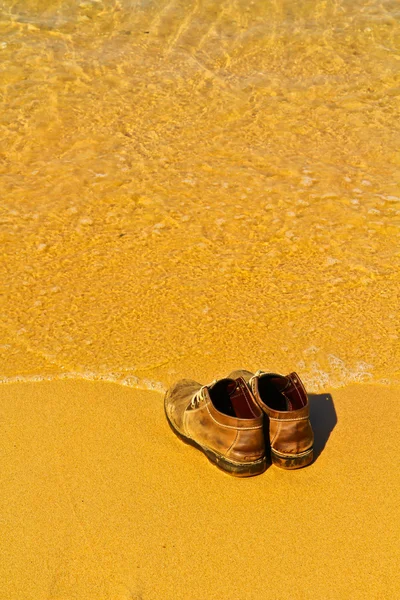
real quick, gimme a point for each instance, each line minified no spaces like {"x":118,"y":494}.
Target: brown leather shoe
{"x":222,"y":420}
{"x":284,"y":400}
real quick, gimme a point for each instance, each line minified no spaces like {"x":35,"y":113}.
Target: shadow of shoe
{"x":323,"y":420}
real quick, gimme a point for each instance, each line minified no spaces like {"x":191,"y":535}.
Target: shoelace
{"x":257,"y":374}
{"x":198,"y":396}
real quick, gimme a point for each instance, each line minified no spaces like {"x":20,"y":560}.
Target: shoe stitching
{"x":234,"y":442}
{"x":250,"y":406}
{"x":195,"y":401}
{"x":293,"y":454}
{"x":277,"y":432}
{"x":288,"y":420}
{"x":298,"y":380}
{"x":252,"y":383}
{"x":231,"y":426}
{"x":292,"y":382}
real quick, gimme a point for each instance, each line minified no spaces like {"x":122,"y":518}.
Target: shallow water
{"x":191,"y":187}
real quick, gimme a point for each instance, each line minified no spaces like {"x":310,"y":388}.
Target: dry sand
{"x":101,"y":501}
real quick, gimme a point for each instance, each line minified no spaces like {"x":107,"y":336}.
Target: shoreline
{"x":102,"y":501}
{"x":145,"y":384}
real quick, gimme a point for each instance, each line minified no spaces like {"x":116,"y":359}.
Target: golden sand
{"x":100,"y":501}
{"x":187,"y":188}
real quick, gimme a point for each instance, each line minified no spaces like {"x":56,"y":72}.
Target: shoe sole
{"x":292,"y":461}
{"x":236,"y":469}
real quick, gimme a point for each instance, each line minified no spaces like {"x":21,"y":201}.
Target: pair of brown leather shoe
{"x":225,"y":420}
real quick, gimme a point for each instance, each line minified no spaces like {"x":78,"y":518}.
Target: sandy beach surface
{"x":101,"y":501}
{"x":188,"y":188}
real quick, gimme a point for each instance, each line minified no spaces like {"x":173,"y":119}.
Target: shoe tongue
{"x":231,"y":386}
{"x":232,"y":397}
{"x":239,"y":397}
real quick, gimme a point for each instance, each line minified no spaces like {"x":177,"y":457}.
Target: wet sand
{"x":196,"y":186}
{"x":101,"y":501}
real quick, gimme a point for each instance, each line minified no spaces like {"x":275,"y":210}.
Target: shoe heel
{"x":295,"y":461}
{"x":236,"y":469}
